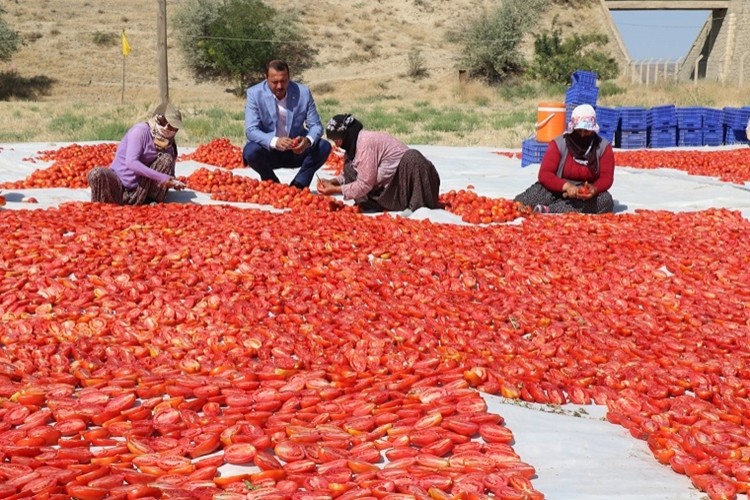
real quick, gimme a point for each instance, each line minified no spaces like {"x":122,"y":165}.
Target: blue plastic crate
{"x":585,"y":77}
{"x":633,"y":139}
{"x":736,"y":118}
{"x":730,"y":114}
{"x":690,"y":137}
{"x":532,"y":151}
{"x":581,"y":95}
{"x":608,"y":134}
{"x":608,"y":118}
{"x":633,"y":119}
{"x":690,"y":118}
{"x":663,"y":137}
{"x":735,"y":136}
{"x":662,"y":116}
{"x":713,"y":118}
{"x":713,"y":136}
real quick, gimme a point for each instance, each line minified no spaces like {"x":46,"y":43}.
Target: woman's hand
{"x":328,"y":186}
{"x":175,"y":184}
{"x":587,"y":191}
{"x":570,"y":190}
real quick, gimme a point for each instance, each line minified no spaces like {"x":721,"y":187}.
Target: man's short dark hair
{"x":277,"y":65}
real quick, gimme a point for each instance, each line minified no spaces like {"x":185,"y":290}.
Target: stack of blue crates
{"x":532,"y":151}
{"x":713,"y":127}
{"x":735,"y":123}
{"x":609,"y":121}
{"x":633,"y":128}
{"x":662,"y":126}
{"x":582,"y":91}
{"x":690,"y":126}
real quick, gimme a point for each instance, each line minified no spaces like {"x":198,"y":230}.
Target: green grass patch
{"x":378,"y":119}
{"x":216,"y":114}
{"x":68,"y":124}
{"x":482,"y":101}
{"x":329,"y":102}
{"x":423,"y":138}
{"x":413,"y":115}
{"x":374,"y":99}
{"x":456,"y":121}
{"x":110,"y":131}
{"x":502,"y":121}
{"x":21,"y":136}
{"x":205,"y":129}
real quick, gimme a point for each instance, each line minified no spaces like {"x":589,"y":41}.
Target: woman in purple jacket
{"x":143,"y":169}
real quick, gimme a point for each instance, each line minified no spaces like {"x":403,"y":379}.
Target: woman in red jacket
{"x":577,"y":170}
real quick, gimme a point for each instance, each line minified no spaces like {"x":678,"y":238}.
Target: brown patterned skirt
{"x":106,"y":186}
{"x":416,"y":184}
{"x":537,"y":194}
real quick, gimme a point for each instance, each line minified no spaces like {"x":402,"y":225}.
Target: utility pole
{"x":161,"y":50}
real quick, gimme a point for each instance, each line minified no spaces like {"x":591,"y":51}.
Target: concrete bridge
{"x":719,"y":52}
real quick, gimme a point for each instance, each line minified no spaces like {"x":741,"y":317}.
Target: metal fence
{"x":651,"y":71}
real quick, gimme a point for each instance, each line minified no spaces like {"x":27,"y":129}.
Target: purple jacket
{"x":134,"y":154}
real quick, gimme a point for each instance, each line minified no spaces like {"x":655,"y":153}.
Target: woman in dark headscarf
{"x":577,"y":170}
{"x":143,"y":168}
{"x":380,"y":172}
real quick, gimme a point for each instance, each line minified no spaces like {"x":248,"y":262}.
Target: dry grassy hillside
{"x":363,"y":47}
{"x":73,"y":47}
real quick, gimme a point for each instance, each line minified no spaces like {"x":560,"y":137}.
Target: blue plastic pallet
{"x":532,"y":151}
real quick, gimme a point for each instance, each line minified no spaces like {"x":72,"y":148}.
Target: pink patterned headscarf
{"x":583,"y":117}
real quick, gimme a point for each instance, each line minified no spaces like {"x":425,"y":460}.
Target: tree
{"x":9,"y":40}
{"x":491,"y":39}
{"x":232,"y":40}
{"x":556,"y":59}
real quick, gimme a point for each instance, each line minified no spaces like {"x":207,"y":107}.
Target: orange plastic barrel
{"x":550,"y":120}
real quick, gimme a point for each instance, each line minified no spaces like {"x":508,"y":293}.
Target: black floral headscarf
{"x":347,"y":128}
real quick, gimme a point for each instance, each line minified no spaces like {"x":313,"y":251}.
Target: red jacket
{"x":573,"y":171}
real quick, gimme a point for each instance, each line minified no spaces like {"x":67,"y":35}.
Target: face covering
{"x":166,"y":132}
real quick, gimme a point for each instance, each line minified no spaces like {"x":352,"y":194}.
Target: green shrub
{"x":491,"y":39}
{"x":233,"y":40}
{"x":610,"y":88}
{"x":104,"y":39}
{"x":417,"y":68}
{"x":555,"y":58}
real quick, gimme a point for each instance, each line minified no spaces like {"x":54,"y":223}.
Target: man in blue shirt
{"x":283,"y":128}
